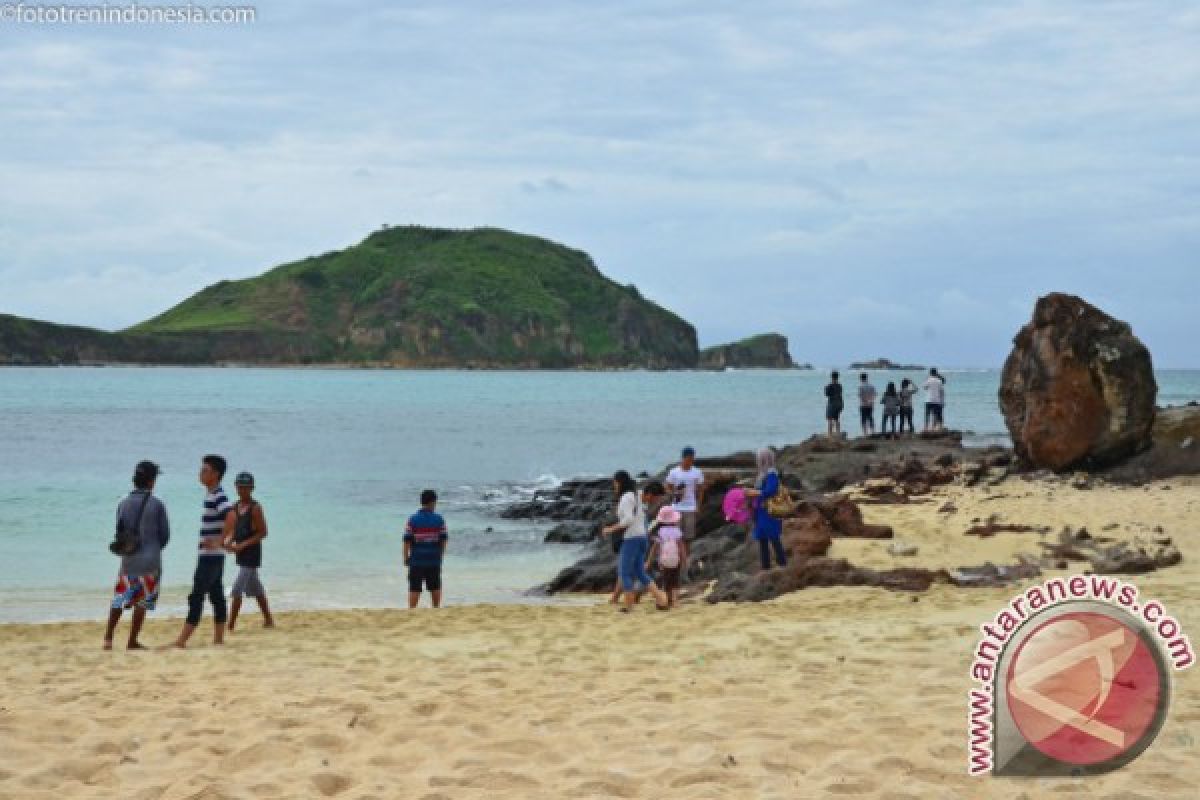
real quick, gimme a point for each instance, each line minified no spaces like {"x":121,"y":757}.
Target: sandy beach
{"x":823,"y":693}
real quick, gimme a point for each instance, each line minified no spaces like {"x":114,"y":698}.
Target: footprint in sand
{"x":331,"y":784}
{"x":326,"y":741}
{"x":851,"y":787}
{"x":425,"y":709}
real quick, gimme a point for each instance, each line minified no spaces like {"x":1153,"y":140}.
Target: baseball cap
{"x":243,"y":479}
{"x":689,"y":451}
{"x":147,"y":469}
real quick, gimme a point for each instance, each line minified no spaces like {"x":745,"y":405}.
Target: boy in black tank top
{"x":245,"y":530}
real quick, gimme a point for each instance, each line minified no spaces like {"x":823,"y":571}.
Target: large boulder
{"x":1078,"y":388}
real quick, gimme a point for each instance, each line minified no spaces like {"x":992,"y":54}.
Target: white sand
{"x":833,"y":692}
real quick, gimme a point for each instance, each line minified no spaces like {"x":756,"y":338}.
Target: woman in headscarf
{"x":768,"y":531}
{"x":631,"y":522}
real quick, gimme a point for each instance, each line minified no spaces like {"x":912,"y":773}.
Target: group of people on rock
{"x":897,"y":405}
{"x":655,"y":529}
{"x":143,"y":531}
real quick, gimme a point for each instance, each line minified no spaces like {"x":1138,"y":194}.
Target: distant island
{"x":403,"y":297}
{"x":767,"y":350}
{"x":883,"y":363}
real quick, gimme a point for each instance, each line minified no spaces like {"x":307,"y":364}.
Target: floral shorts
{"x":137,"y":591}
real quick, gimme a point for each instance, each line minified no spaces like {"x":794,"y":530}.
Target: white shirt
{"x":690,"y":481}
{"x":936,"y":390}
{"x":866,"y":395}
{"x":631,"y":516}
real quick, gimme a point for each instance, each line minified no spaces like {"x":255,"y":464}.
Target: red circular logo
{"x":1084,"y":688}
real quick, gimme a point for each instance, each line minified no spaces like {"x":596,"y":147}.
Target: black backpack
{"x":128,"y":541}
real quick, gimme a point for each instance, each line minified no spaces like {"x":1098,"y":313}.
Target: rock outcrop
{"x":1078,"y":389}
{"x":1176,"y":449}
{"x":767,"y":351}
{"x":885,"y":363}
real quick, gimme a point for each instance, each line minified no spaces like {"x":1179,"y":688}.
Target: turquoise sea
{"x":341,"y":455}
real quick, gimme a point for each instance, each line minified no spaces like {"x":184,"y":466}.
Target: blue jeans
{"x":765,"y":545}
{"x":632,"y":566}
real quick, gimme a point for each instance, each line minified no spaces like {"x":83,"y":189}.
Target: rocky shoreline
{"x":834,"y":480}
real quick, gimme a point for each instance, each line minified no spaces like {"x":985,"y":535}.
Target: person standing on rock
{"x":834,"y":405}
{"x":866,"y":404}
{"x":907,"y":390}
{"x":768,"y":531}
{"x":935,"y":401}
{"x":631,"y":524}
{"x":685,"y":484}
{"x":891,"y":409}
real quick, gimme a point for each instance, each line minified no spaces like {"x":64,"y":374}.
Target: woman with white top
{"x":631,"y":521}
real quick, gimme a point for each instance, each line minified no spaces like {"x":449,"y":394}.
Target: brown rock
{"x":1078,"y":388}
{"x":806,"y":535}
{"x":992,"y":528}
{"x":847,"y":520}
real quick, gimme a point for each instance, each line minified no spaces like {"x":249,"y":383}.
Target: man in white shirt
{"x":935,"y":401}
{"x":685,"y":487}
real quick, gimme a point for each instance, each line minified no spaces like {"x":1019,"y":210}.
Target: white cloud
{"x":843,"y":160}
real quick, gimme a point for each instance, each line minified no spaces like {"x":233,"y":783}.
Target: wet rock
{"x":1078,"y":388}
{"x":753,"y":588}
{"x":597,"y":572}
{"x":572,"y":533}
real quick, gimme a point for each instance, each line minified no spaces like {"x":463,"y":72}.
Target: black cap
{"x":147,"y":469}
{"x":243,"y":479}
{"x":689,"y":451}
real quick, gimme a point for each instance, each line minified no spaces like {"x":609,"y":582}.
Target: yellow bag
{"x":781,"y":504}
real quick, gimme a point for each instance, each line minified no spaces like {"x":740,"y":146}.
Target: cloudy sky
{"x":871,"y":178}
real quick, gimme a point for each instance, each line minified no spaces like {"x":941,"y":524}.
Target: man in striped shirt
{"x":210,"y":563}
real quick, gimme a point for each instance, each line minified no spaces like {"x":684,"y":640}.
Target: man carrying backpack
{"x":142,"y":533}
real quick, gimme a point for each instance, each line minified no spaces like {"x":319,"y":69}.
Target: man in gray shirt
{"x":141,"y":571}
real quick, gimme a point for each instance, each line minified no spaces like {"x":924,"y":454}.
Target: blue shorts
{"x":632,"y":566}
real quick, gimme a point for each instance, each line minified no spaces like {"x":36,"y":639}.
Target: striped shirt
{"x":216,"y":506}
{"x":425,"y":533}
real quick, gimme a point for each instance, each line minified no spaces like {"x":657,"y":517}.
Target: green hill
{"x":412,"y":296}
{"x":406,"y":297}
